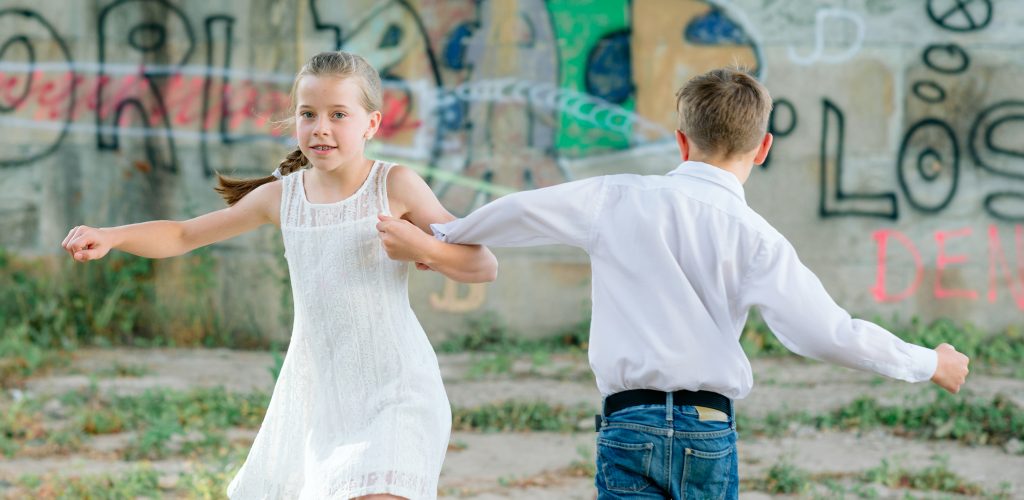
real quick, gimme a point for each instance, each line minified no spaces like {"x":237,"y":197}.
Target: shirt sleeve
{"x":807,"y":321}
{"x":562,"y":214}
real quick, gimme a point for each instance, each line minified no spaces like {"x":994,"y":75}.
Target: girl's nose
{"x":321,"y":127}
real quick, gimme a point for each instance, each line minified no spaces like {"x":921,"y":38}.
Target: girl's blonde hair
{"x":338,"y":64}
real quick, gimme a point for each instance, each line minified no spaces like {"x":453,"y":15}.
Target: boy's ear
{"x":762,"y":150}
{"x":684,"y":145}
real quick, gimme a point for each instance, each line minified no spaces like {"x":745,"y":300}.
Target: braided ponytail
{"x":233,"y":189}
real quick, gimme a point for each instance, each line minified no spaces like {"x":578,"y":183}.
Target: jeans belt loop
{"x":669,"y":407}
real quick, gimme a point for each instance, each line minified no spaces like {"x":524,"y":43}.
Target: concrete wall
{"x":898,"y":171}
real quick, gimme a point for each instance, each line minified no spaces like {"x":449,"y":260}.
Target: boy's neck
{"x":740,"y":166}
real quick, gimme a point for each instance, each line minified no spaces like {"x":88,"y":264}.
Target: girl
{"x":359,"y":409}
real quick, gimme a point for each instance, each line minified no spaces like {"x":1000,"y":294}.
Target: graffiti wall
{"x":898,"y":171}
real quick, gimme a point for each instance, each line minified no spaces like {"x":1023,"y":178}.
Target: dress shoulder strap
{"x":289,"y":200}
{"x":382,"y":187}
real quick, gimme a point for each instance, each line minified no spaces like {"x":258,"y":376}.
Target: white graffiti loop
{"x":818,"y":54}
{"x":579,"y":105}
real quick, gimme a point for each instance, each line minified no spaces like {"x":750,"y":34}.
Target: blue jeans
{"x":663,"y":451}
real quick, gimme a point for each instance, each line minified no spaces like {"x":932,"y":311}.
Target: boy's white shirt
{"x":677,"y":261}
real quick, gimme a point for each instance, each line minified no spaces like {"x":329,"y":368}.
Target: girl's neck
{"x":354,"y":172}
{"x":339,"y":182}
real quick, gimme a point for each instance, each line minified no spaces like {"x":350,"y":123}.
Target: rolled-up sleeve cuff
{"x":924,"y":362}
{"x":441,"y":231}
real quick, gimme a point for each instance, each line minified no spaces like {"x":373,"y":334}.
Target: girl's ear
{"x":375,"y":118}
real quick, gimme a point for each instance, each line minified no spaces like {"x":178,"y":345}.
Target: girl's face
{"x":330,"y":123}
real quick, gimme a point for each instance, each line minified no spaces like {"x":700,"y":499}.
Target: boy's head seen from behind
{"x":724,"y":112}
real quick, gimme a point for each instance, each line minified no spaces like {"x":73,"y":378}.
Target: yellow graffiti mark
{"x":669,"y":59}
{"x":450,"y":301}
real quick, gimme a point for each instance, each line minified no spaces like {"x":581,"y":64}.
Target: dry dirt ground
{"x":537,"y":465}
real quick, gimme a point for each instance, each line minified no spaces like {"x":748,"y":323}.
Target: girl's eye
{"x":306,"y":114}
{"x":339,"y":115}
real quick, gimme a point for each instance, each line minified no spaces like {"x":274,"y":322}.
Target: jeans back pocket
{"x":625,"y":466}
{"x":708,"y":474}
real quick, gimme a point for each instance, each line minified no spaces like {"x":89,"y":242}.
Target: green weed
{"x":513,"y":416}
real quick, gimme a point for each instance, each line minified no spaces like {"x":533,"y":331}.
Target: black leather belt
{"x":635,"y":397}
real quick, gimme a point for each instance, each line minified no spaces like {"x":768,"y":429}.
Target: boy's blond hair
{"x":724,"y":111}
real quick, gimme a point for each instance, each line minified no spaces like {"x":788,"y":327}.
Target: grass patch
{"x":959,"y":418}
{"x":54,"y":304}
{"x":63,"y":307}
{"x":584,"y":465}
{"x":21,"y":358}
{"x":515,"y":416}
{"x":490,"y":364}
{"x":936,"y":477}
{"x":784,"y":478}
{"x":488,"y":333}
{"x":119,"y":370}
{"x":142,"y":481}
{"x":209,"y":480}
{"x":199,"y":417}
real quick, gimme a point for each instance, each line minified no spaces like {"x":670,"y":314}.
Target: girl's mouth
{"x":321,"y":149}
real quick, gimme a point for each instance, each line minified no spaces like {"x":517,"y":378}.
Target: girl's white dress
{"x":359,"y":407}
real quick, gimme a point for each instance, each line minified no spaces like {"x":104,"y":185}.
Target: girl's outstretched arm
{"x":163,"y":238}
{"x":407,"y":236}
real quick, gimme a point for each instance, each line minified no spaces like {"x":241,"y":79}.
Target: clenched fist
{"x":951,"y":369}
{"x":86,"y":243}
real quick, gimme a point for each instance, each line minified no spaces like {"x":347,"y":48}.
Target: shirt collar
{"x":712,"y":174}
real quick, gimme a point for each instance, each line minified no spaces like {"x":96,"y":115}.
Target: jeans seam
{"x":670,"y":444}
{"x":637,"y":427}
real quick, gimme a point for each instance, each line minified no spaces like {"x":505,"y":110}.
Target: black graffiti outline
{"x":960,"y":8}
{"x":72,"y":91}
{"x":974,"y":137}
{"x":921,"y":156}
{"x":937,"y":98}
{"x":531,"y":40}
{"x":150,"y":27}
{"x":29,"y":75}
{"x":204,"y":127}
{"x":113,"y":142}
{"x":992,"y":198}
{"x":828,"y":107}
{"x":778,"y":133}
{"x":950,"y":48}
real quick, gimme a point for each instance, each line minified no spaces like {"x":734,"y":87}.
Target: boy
{"x":677,"y":262}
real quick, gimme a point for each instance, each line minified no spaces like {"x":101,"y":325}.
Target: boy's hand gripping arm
{"x":405,"y":236}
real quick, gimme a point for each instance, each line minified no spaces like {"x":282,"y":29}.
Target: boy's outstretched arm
{"x":807,"y":321}
{"x":563,"y":214}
